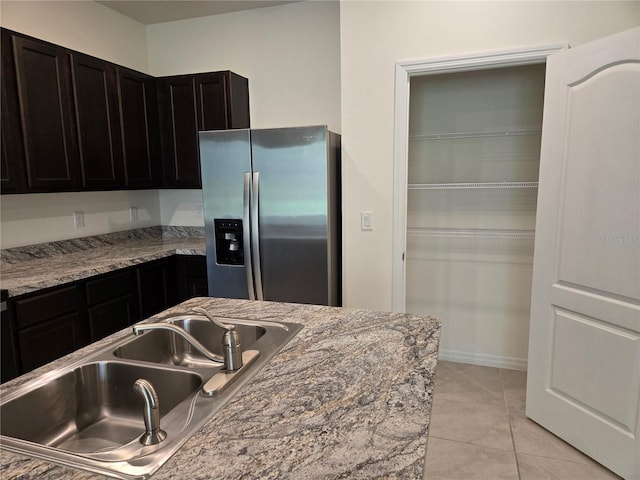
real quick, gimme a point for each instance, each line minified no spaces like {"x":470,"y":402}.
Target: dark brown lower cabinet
{"x":192,"y":275}
{"x":109,"y":317}
{"x":111,"y":303}
{"x":50,"y":340}
{"x":157,"y":286}
{"x":50,"y":325}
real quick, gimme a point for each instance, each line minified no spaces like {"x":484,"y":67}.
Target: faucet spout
{"x":213,"y":319}
{"x":139,"y":329}
{"x":153,"y":433}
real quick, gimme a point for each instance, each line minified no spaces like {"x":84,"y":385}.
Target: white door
{"x":584,"y":344}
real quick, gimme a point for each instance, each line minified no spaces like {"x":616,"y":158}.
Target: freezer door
{"x":225,"y":160}
{"x":291,"y":168}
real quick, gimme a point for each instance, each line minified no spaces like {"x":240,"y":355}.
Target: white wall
{"x":181,"y":208}
{"x":90,"y":28}
{"x":47,"y":217}
{"x":377,"y":34}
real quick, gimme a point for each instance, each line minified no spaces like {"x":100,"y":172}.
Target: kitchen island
{"x":348,"y":397}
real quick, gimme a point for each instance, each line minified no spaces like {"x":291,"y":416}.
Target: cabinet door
{"x":109,"y":317}
{"x":12,"y":169}
{"x":156,"y":287}
{"x":50,"y":325}
{"x":111,"y":300}
{"x":8,"y":355}
{"x":211,"y":90}
{"x":48,"y":341}
{"x":192,"y":276}
{"x":238,"y":101}
{"x":223,"y":101}
{"x":137,"y":101}
{"x":46,"y":115}
{"x":179,"y":118}
{"x":95,"y":95}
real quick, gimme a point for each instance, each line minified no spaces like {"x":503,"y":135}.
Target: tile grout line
{"x":470,"y":444}
{"x":506,"y":406}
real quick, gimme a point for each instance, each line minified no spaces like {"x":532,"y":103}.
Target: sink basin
{"x":86,"y":415}
{"x":165,"y":347}
{"x":93,"y":408}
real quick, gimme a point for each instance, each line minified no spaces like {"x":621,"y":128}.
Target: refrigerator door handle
{"x":255,"y":234}
{"x":246,"y":235}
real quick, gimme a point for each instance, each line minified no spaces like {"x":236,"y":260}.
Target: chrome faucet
{"x":231,"y":349}
{"x":153,"y":433}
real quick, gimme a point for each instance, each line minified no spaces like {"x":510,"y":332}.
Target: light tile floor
{"x":479,"y":431}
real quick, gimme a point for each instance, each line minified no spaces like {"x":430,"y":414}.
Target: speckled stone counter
{"x":348,"y":397}
{"x":28,"y":269}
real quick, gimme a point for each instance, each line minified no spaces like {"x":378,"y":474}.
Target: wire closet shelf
{"x":454,"y":135}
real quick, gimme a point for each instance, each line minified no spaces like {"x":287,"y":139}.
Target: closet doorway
{"x":466,"y":190}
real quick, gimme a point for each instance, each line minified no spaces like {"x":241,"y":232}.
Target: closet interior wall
{"x":474,"y":154}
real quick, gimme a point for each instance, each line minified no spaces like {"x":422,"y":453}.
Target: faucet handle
{"x":231,"y":349}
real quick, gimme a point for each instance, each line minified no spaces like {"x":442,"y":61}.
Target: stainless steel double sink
{"x":87,"y":414}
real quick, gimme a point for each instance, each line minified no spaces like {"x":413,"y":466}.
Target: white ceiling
{"x":159,"y":11}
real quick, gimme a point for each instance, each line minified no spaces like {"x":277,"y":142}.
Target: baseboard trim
{"x":483,"y":359}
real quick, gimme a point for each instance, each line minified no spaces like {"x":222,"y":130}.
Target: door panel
{"x":44,"y":92}
{"x":94,"y":88}
{"x":212,"y":101}
{"x":594,"y":197}
{"x":584,"y":346}
{"x":183,"y":165}
{"x":580,"y":370}
{"x":138,"y":118}
{"x":12,"y":159}
{"x":225,"y":156}
{"x":293,"y":213}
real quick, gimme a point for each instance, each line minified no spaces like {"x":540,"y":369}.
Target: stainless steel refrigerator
{"x":272,"y":214}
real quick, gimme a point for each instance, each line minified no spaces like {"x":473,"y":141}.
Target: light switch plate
{"x":366,"y":221}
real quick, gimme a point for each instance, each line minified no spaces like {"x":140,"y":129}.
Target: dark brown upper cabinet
{"x":138,"y":108}
{"x":192,"y":103}
{"x":96,"y":108}
{"x":223,"y":101}
{"x":13,"y":177}
{"x":46,"y":115}
{"x":73,"y":122}
{"x":179,"y":123}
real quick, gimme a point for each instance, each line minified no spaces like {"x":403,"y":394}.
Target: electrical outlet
{"x":133,"y":214}
{"x":78,"y":219}
{"x":199,"y":210}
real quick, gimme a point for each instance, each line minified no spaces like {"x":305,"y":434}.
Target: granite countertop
{"x":348,"y":397}
{"x":28,"y":269}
